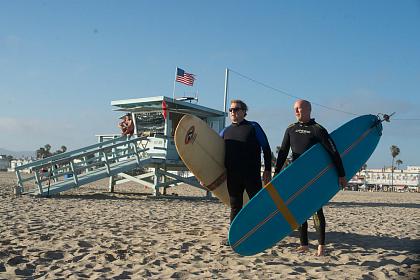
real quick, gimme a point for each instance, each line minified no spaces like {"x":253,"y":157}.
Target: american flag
{"x":184,"y":77}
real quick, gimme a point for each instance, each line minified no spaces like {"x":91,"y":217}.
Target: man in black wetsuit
{"x":243,"y":143}
{"x":301,"y":136}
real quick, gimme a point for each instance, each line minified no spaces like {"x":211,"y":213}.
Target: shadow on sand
{"x":373,"y":204}
{"x":365,"y":243}
{"x":132,"y":196}
{"x":351,"y":243}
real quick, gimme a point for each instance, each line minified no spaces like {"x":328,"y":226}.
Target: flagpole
{"x":226,"y":89}
{"x":196,"y":92}
{"x":173,"y":92}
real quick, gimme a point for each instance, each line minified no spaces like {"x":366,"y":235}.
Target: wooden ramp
{"x":76,"y":168}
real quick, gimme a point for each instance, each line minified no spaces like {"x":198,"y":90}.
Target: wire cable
{"x":297,"y":97}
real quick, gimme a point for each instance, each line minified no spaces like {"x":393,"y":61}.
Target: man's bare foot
{"x":302,"y":249}
{"x":321,"y":250}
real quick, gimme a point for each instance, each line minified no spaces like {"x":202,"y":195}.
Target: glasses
{"x":234,"y":109}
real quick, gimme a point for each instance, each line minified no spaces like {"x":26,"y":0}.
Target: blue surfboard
{"x":302,"y":188}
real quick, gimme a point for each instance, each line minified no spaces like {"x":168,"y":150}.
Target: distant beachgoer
{"x":127,"y":125}
{"x":301,"y":136}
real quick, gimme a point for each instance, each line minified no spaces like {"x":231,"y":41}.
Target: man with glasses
{"x":244,"y":141}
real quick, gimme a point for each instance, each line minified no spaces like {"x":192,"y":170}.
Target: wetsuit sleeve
{"x":283,"y":152}
{"x":222,"y":133}
{"x":327,"y":142}
{"x":263,"y":142}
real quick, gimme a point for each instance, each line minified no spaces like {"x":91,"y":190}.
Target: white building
{"x":18,"y":162}
{"x":413,"y":168}
{"x":384,"y":179}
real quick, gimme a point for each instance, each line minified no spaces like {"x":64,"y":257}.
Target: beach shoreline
{"x":89,"y":233}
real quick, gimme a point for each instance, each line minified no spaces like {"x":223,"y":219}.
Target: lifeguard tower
{"x":149,"y":157}
{"x":156,"y":118}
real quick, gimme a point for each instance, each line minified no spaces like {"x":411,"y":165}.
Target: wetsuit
{"x":243,"y":144}
{"x":300,"y":137}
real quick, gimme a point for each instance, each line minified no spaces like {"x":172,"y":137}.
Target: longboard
{"x":302,"y":188}
{"x":203,"y":152}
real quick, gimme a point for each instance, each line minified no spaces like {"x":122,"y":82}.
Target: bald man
{"x":300,"y":137}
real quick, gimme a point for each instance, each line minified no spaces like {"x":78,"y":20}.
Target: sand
{"x":88,"y":233}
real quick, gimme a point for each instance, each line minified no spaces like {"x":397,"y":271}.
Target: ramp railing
{"x":73,"y":169}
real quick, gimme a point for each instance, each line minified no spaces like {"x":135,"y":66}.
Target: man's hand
{"x":266,"y":176}
{"x":342,"y":181}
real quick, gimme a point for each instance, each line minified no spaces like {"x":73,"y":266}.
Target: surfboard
{"x":203,"y":152}
{"x":302,"y":188}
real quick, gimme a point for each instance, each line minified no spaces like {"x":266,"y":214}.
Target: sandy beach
{"x":88,"y":233}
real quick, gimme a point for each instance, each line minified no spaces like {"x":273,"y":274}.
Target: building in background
{"x":18,"y":162}
{"x":385,"y":180}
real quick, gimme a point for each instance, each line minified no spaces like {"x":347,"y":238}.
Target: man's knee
{"x":253,"y":188}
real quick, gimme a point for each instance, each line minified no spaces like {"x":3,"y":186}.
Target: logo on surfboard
{"x":190,"y":136}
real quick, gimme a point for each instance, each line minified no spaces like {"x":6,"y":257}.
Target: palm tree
{"x":398,"y":162}
{"x":40,"y":153}
{"x":44,"y":152}
{"x":63,"y":149}
{"x":47,"y":148}
{"x":395,"y":151}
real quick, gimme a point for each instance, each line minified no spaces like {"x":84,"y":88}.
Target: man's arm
{"x":327,"y":142}
{"x":265,"y":146}
{"x":283,"y":152}
{"x":222,"y":133}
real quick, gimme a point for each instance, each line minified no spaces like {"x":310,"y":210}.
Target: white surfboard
{"x":203,"y":152}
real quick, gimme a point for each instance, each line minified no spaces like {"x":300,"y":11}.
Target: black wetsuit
{"x":300,"y":137}
{"x":243,"y":144}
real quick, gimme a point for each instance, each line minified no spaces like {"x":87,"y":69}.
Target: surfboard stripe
{"x":357,"y":141}
{"x":302,"y":189}
{"x":254,"y":229}
{"x":216,"y":183}
{"x":281,"y":206}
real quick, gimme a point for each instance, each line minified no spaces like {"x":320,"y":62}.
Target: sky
{"x":63,"y":62}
